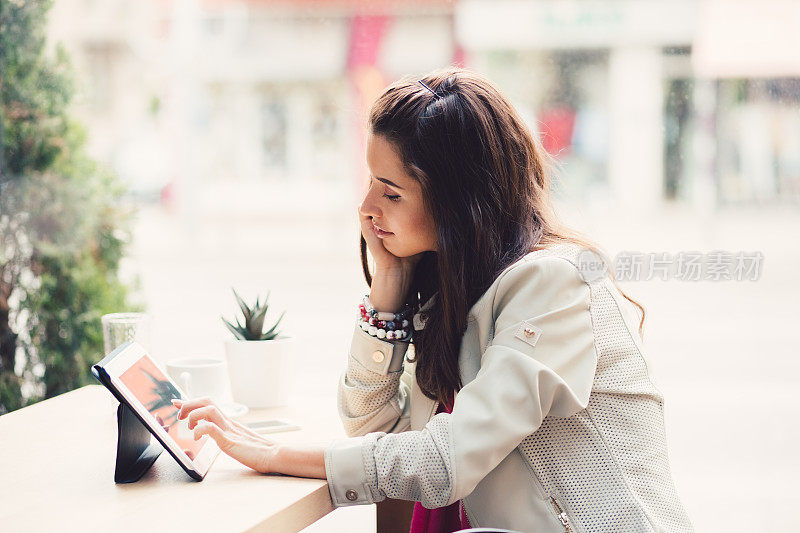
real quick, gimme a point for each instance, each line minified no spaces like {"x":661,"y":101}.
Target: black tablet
{"x":136,"y":380}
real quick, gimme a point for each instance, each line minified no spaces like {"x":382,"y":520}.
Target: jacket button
{"x":351,"y":495}
{"x":377,"y":356}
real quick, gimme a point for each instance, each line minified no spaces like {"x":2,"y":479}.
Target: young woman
{"x":525,"y":402}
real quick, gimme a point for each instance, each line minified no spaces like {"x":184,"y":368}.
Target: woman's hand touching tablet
{"x":248,"y":447}
{"x":233,"y":438}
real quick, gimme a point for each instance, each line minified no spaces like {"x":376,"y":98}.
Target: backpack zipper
{"x":562,"y":516}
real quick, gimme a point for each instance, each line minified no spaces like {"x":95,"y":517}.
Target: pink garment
{"x":442,"y":519}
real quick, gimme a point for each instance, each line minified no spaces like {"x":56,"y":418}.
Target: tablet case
{"x":135,"y":452}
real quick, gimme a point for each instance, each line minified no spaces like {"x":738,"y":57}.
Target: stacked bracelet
{"x":392,"y":326}
{"x":366,"y":306}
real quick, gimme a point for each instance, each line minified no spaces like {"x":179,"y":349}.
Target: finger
{"x":375,"y":245}
{"x":210,"y":413}
{"x":367,"y":230}
{"x":212,"y":430}
{"x":252,"y":453}
{"x":190,"y":405}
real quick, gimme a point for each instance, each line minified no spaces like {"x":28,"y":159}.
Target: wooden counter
{"x":57,"y":473}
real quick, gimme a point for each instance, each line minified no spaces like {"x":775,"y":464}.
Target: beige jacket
{"x":556,"y":429}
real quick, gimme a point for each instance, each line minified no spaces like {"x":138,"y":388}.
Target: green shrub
{"x":63,"y":230}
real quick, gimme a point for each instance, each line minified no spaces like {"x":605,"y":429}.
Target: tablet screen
{"x":155,"y":392}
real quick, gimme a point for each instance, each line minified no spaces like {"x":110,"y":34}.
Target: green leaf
{"x":242,"y":306}
{"x":233,"y":330}
{"x":273,"y":328}
{"x":265,"y":304}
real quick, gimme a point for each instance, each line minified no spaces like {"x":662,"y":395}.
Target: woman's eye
{"x":393,"y":198}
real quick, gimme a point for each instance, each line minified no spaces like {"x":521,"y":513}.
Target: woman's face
{"x":394,"y":202}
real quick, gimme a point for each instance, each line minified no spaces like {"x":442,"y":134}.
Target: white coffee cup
{"x":202,"y":376}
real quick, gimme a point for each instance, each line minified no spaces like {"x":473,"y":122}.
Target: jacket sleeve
{"x":372,"y":396}
{"x":522,"y":379}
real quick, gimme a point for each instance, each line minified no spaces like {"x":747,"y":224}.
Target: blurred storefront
{"x":641,"y":102}
{"x":695,"y":101}
{"x":185,"y":97}
{"x":749,"y":52}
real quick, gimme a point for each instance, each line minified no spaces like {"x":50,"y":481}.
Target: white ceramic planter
{"x":260,"y":371}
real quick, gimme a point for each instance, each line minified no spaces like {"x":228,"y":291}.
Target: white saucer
{"x":234,"y":409}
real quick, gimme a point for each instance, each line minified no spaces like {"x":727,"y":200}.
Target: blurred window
{"x":273,"y":132}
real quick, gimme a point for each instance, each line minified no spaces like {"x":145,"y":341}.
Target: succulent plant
{"x":253,"y":328}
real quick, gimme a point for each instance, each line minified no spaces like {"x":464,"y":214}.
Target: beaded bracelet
{"x":379,"y":328}
{"x":367,"y":307}
{"x":381,"y":333}
{"x":381,"y":324}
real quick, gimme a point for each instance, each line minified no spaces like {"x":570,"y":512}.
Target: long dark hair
{"x":487,"y":186}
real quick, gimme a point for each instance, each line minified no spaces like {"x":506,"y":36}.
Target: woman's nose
{"x":368,"y":207}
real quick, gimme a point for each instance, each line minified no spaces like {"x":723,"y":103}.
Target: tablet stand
{"x":135,"y":452}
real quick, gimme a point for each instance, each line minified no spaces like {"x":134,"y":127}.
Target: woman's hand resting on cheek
{"x":393,"y":275}
{"x":233,"y":438}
